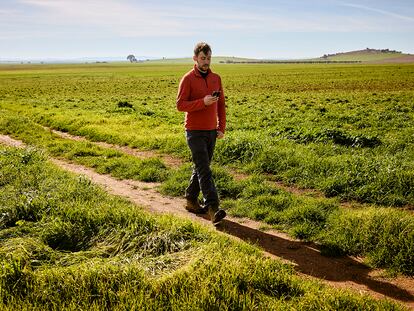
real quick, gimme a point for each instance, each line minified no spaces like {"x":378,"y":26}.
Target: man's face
{"x":203,"y":60}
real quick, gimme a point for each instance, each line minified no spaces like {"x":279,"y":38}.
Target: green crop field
{"x":344,"y":130}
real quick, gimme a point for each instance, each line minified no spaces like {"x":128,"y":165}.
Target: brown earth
{"x":344,"y":272}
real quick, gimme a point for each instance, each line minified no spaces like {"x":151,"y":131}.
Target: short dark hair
{"x":201,"y":47}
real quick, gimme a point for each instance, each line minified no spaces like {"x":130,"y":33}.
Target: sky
{"x":279,"y":29}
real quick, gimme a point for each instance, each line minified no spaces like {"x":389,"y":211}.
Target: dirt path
{"x":168,"y":160}
{"x":174,"y":162}
{"x":344,"y":272}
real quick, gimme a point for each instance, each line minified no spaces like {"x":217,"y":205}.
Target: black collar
{"x":203,"y":73}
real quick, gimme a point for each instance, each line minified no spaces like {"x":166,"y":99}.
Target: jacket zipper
{"x":205,"y":80}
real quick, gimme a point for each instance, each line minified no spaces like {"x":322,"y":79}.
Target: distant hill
{"x":361,"y":56}
{"x":371,"y":56}
{"x":215,"y":59}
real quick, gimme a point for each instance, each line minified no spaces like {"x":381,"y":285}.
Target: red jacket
{"x":190,"y":98}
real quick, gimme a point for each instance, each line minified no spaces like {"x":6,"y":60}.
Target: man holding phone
{"x":200,"y":96}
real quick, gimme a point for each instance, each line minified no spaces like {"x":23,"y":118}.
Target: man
{"x":200,"y":96}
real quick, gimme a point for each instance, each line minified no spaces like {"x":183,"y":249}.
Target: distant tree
{"x":131,"y":58}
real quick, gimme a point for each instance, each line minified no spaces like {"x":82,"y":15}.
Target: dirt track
{"x":344,"y":272}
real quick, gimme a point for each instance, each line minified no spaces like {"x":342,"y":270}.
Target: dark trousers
{"x":202,"y":145}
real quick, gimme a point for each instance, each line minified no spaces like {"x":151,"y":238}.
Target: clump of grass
{"x":177,"y":181}
{"x":124,"y":104}
{"x":27,"y":203}
{"x":326,"y":135}
{"x":304,"y":218}
{"x":386,"y":236}
{"x":28,"y":251}
{"x":242,"y":147}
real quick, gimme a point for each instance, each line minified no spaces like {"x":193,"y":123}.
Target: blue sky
{"x":262,"y":29}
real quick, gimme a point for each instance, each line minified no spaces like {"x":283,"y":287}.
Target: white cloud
{"x":122,"y":18}
{"x":114,"y":17}
{"x":383,"y":12}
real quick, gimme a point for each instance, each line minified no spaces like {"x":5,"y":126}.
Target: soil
{"x":340,"y":272}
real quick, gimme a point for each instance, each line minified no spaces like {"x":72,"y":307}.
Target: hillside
{"x":366,"y":56}
{"x":370,"y":55}
{"x":215,"y":59}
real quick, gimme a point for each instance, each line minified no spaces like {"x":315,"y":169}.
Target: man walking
{"x":200,"y":96}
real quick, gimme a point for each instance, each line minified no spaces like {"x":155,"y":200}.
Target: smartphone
{"x":216,"y":93}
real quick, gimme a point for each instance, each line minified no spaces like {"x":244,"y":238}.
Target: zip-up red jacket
{"x":193,"y":87}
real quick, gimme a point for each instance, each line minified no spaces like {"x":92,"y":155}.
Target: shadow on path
{"x":308,"y":260}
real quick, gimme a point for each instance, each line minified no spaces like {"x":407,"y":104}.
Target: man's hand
{"x":220,"y":134}
{"x":209,"y":100}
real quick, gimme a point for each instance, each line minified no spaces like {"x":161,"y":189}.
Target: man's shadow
{"x":308,"y":260}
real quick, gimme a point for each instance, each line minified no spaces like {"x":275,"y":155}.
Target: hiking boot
{"x":216,"y":214}
{"x":193,"y":206}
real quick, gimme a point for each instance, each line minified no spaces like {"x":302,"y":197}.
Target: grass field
{"x":346,"y":130}
{"x":67,"y":245}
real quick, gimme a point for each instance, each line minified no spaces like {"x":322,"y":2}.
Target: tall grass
{"x":357,"y":175}
{"x":384,"y":235}
{"x":103,"y":160}
{"x":75,"y":248}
